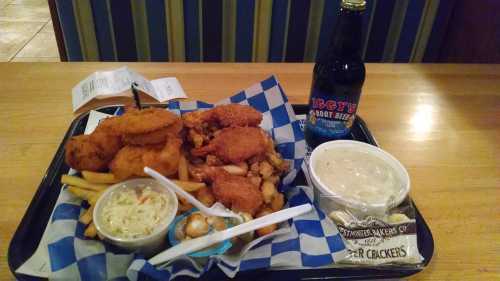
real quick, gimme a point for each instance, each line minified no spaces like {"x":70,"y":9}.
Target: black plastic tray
{"x":30,"y":230}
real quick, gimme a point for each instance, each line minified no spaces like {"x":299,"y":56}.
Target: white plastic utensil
{"x":217,"y":209}
{"x":199,"y":243}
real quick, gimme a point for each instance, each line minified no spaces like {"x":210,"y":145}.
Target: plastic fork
{"x":217,"y":209}
{"x":199,"y":243}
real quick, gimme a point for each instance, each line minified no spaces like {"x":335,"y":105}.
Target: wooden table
{"x":441,"y":121}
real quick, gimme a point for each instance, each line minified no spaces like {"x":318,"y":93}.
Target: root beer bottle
{"x":338,"y":76}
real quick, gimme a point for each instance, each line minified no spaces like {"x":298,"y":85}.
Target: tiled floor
{"x":26,"y":32}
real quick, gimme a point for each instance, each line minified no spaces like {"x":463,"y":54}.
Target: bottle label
{"x":330,"y":116}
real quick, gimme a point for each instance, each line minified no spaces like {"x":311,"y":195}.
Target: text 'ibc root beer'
{"x":338,"y":77}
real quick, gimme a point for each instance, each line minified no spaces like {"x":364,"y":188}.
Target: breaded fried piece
{"x":131,"y":160}
{"x":93,"y":152}
{"x":236,"y":144}
{"x":128,"y":161}
{"x":106,"y":139}
{"x":236,"y":192}
{"x":155,"y":137}
{"x":230,"y":115}
{"x":82,"y":154}
{"x":143,"y":121}
{"x":168,"y":161}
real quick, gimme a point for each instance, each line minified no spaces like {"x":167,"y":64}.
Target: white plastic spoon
{"x":217,"y":209}
{"x":199,"y":243}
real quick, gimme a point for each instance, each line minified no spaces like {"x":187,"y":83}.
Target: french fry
{"x":184,"y":207}
{"x":86,"y":217}
{"x":96,"y":197}
{"x":205,"y":196}
{"x":267,"y":229}
{"x":196,"y":138}
{"x":94,"y":177}
{"x":183,"y":169}
{"x":189,"y":186}
{"x":277,"y":161}
{"x":90,"y":231}
{"x":82,"y":193}
{"x":278,"y":202}
{"x":274,"y":179}
{"x":79,"y":182}
{"x":265,"y":169}
{"x":268,"y":191}
{"x":247,"y":237}
{"x":255,"y":180}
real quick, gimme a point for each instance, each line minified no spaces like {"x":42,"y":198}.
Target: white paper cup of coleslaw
{"x":337,"y":167}
{"x":110,"y":228}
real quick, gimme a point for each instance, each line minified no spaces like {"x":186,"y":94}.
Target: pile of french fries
{"x":92,"y":185}
{"x":89,"y":188}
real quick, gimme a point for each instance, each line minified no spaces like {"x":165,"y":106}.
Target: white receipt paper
{"x":117,"y":83}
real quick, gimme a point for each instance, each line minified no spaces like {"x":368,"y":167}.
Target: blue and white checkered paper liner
{"x":311,"y":240}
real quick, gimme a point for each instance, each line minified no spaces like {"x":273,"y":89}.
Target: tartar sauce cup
{"x":325,"y":178}
{"x":149,"y":244}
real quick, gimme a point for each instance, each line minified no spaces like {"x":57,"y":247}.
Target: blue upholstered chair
{"x":240,"y":30}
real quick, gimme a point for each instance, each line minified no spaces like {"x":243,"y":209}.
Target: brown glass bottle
{"x":338,"y":77}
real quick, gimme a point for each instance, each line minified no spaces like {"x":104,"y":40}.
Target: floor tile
{"x":30,"y":2}
{"x":31,"y":27}
{"x":11,"y":43}
{"x":43,"y":45}
{"x":24,"y":13}
{"x":48,"y":27}
{"x":4,"y":3}
{"x":17,"y":59}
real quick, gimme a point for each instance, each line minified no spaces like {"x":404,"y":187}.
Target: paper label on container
{"x":117,"y":83}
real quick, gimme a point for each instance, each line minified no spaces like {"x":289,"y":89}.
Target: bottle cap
{"x":355,"y":5}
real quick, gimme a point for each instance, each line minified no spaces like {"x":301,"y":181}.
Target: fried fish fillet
{"x":235,"y":144}
{"x":143,"y":121}
{"x":155,"y":137}
{"x":131,"y":160}
{"x":236,"y":192}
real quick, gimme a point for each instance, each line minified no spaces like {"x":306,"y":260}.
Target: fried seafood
{"x":82,"y":154}
{"x":236,"y":144}
{"x":131,"y":160}
{"x":156,"y":136}
{"x":230,"y":115}
{"x":143,"y":121}
{"x":151,"y":128}
{"x":93,"y":152}
{"x":226,"y":156}
{"x":236,"y":192}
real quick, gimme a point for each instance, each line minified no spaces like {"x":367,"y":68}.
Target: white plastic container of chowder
{"x":358,"y":177}
{"x":135,"y":215}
